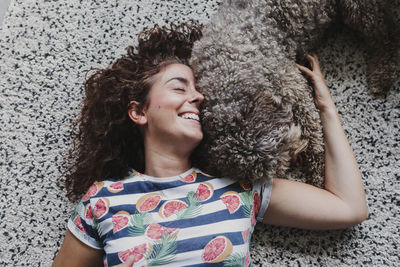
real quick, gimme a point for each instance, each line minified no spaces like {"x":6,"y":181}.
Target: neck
{"x":162,"y":163}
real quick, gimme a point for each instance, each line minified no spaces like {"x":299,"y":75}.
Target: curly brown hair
{"x":108,"y":144}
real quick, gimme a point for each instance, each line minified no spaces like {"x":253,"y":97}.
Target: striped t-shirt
{"x":192,"y":219}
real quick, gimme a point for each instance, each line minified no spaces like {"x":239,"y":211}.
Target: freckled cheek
{"x":167,"y":104}
{"x":163,"y":111}
{"x":156,"y":104}
{"x":163,"y":103}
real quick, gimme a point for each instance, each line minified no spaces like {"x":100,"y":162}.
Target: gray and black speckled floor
{"x":45,"y":47}
{"x":3,"y":9}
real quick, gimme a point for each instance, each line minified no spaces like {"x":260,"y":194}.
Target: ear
{"x":136,"y":115}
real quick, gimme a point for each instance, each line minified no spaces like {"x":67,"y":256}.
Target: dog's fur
{"x":259,"y":112}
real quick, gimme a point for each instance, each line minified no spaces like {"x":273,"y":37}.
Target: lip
{"x":194,"y":112}
{"x":190,"y":121}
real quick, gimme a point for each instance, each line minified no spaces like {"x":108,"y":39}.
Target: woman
{"x":148,"y":205}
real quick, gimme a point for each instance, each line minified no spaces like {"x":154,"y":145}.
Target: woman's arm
{"x":342,"y":203}
{"x":74,"y":253}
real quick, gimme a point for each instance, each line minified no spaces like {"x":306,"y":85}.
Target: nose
{"x":197,"y":98}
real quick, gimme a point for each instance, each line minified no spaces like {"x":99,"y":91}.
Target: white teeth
{"x":191,"y":116}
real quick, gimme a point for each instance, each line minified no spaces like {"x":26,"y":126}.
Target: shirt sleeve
{"x":265,"y":197}
{"x":83,"y":225}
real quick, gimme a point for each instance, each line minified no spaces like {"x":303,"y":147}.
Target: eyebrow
{"x":182,"y":80}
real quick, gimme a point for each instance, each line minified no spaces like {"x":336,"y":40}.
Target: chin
{"x":196,"y":139}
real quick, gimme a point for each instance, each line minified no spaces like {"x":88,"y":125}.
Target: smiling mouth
{"x":190,"y":116}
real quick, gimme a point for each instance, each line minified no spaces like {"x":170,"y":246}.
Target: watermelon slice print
{"x":138,"y":252}
{"x":245,"y":185}
{"x":204,"y":191}
{"x":88,"y":212}
{"x":148,"y":202}
{"x":101,"y":207}
{"x":256,"y":202}
{"x":78,"y":223}
{"x":120,"y":220}
{"x":190,"y":178}
{"x":116,"y":187}
{"x":247,"y":259}
{"x":256,"y":207}
{"x":172,"y":207}
{"x":156,"y":231}
{"x":231,"y":199}
{"x":253,"y":216}
{"x":245,"y":235}
{"x":93,"y":190}
{"x":217,"y":250}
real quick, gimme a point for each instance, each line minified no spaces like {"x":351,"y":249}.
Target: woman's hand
{"x":323,"y":99}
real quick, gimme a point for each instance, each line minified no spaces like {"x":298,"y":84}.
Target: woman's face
{"x":172,"y":111}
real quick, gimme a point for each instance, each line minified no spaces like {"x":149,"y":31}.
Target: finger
{"x":316,"y":60}
{"x":310,"y":56}
{"x":315,"y":64}
{"x":317,"y":68}
{"x":311,"y":60}
{"x":306,"y":70}
{"x":303,"y":68}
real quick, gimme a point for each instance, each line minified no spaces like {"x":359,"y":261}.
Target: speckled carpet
{"x":45,"y":49}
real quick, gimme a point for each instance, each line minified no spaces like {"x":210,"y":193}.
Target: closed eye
{"x":179,"y":89}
